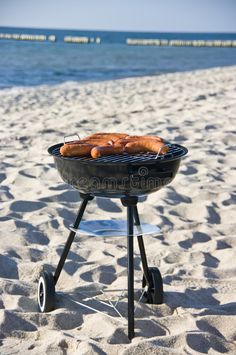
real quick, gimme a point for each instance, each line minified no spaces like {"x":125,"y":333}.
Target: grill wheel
{"x":154,"y":294}
{"x":46,"y":292}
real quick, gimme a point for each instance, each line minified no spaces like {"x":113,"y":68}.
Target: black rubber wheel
{"x":46,"y":292}
{"x":154,"y":294}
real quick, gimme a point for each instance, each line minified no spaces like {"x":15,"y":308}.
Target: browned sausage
{"x":99,"y":151}
{"x":144,"y":137}
{"x":108,"y":136}
{"x":146,"y":146}
{"x":93,"y":142}
{"x":128,"y":139}
{"x":122,"y":141}
{"x":97,"y":141}
{"x":76,"y":150}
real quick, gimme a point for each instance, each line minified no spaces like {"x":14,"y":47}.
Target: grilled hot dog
{"x":128,"y":139}
{"x":144,"y":137}
{"x":76,"y":150}
{"x":99,"y":151}
{"x":146,"y":146}
{"x":107,"y":136}
{"x":96,"y":141}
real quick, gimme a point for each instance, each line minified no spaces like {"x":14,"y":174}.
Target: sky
{"x":122,"y":15}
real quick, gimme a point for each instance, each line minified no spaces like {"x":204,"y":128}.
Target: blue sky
{"x":127,"y":15}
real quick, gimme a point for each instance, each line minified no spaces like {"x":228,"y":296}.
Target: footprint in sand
{"x":198,"y":237}
{"x":36,"y":254}
{"x":174,"y":198}
{"x":188,"y":170}
{"x":148,"y":328}
{"x":210,"y":261}
{"x":118,"y":337}
{"x":26,"y":206}
{"x":8,"y":267}
{"x":30,"y":173}
{"x":107,"y":205}
{"x":31,"y":233}
{"x":123,"y":261}
{"x":223,"y":329}
{"x":72,"y":255}
{"x":2,"y":177}
{"x":27,"y":304}
{"x":230,"y":201}
{"x":204,"y":325}
{"x":209,"y":344}
{"x":59,"y":187}
{"x":105,"y":274}
{"x":65,"y":197}
{"x":222,"y":244}
{"x":73,"y":261}
{"x":213,"y":215}
{"x":71,"y":267}
{"x":10,"y":323}
{"x":5,"y":194}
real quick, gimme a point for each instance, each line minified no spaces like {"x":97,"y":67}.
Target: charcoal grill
{"x":115,"y":176}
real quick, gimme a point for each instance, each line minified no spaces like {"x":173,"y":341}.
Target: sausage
{"x":145,"y":137}
{"x":128,"y":139}
{"x":99,"y":151}
{"x":146,"y":146}
{"x":109,"y":136}
{"x":76,"y":150}
{"x":102,"y":134}
{"x":96,"y":141}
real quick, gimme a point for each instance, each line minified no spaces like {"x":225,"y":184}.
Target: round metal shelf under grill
{"x":113,"y":228}
{"x":119,"y":175}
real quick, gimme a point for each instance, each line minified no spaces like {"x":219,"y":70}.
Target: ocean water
{"x":24,"y":63}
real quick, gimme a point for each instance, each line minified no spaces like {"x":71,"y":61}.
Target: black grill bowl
{"x":119,"y":175}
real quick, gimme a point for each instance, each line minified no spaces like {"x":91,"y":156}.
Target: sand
{"x":196,"y":251}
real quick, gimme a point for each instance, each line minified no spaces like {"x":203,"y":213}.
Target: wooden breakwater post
{"x":52,"y":38}
{"x":82,"y":40}
{"x":27,"y":37}
{"x":180,"y":43}
{"x":143,"y":42}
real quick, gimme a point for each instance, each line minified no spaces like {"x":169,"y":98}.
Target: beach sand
{"x":196,"y":252}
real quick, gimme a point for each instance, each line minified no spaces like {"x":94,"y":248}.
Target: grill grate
{"x":175,"y":151}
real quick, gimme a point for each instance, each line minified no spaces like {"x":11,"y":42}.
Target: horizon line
{"x":106,"y":30}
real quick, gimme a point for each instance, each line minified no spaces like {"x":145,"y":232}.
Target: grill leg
{"x":130,"y":247}
{"x":130,"y":202}
{"x":70,"y":239}
{"x":141,"y":248}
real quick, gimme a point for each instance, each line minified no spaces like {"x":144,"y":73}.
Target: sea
{"x":31,"y":63}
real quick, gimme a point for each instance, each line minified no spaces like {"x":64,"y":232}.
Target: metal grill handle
{"x":160,"y":150}
{"x":70,"y":136}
